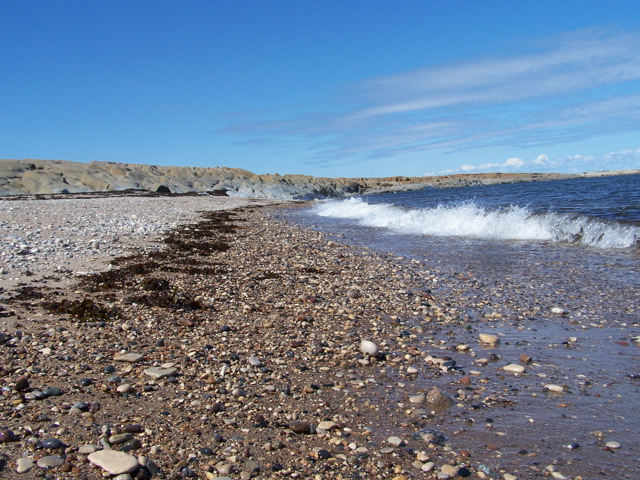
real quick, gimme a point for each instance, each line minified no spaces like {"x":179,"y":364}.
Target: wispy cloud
{"x":621,"y":160}
{"x":572,"y":86}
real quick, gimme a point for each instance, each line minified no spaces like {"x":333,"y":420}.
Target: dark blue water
{"x":551,"y":233}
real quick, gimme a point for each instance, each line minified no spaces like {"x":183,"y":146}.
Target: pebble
{"x":514,"y":368}
{"x":7,"y":436}
{"x":613,"y":444}
{"x":395,"y":441}
{"x":159,"y":372}
{"x":52,"y":392}
{"x":417,"y":399}
{"x":24,"y":464}
{"x":368,"y":348}
{"x":124,"y":388}
{"x":327,"y":425}
{"x":113,"y":461}
{"x":450,"y":470}
{"x":255,"y":361}
{"x":489,"y":338}
{"x":439,"y":400}
{"x":87,"y":449}
{"x":554,"y":388}
{"x":50,"y":461}
{"x":120,"y":438}
{"x":129,"y":358}
{"x":52,"y":443}
{"x":300,"y":427}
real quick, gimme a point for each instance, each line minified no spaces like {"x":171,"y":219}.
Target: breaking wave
{"x":474,"y":221}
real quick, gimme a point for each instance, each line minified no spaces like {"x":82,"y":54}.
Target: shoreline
{"x":262,"y":322}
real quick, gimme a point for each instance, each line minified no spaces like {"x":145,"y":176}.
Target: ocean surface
{"x":593,"y":223}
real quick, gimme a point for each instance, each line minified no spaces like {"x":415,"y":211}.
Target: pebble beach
{"x":207,"y":337}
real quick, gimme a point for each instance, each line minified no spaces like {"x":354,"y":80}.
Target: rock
{"x":24,"y":465}
{"x":489,"y":338}
{"x":52,"y":443}
{"x":613,"y":445}
{"x":87,"y":449}
{"x":50,"y":461}
{"x":439,"y":400}
{"x":300,"y":427}
{"x":114,"y":462}
{"x":417,"y":399}
{"x":124,"y":388}
{"x":513,"y":368}
{"x":430,"y":436}
{"x":327,"y":425}
{"x":7,"y":436}
{"x":368,"y":348}
{"x":129,"y":358}
{"x":428,"y":467}
{"x":22,"y":383}
{"x":120,"y":438}
{"x":450,"y":470}
{"x":395,"y":441}
{"x":52,"y":392}
{"x":159,"y":372}
{"x":554,"y":388}
{"x":255,"y":361}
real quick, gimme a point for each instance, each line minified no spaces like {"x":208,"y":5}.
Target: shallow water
{"x":509,"y":287}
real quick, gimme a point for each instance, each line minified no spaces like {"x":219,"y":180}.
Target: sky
{"x":347,"y":88}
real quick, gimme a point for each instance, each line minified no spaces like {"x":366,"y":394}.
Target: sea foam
{"x":474,"y":221}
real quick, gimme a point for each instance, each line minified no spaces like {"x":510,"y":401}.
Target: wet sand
{"x":263,"y":322}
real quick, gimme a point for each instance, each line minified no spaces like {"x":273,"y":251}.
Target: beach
{"x":208,"y":337}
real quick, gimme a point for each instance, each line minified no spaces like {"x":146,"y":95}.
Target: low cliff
{"x":20,"y":177}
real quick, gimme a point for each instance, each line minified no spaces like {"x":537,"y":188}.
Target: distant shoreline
{"x":53,"y":177}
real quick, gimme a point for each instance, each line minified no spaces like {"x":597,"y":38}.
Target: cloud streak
{"x":574,"y":86}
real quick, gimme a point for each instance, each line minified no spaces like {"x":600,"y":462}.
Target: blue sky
{"x":326,"y":88}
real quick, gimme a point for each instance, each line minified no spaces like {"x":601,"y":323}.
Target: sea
{"x":514,"y":229}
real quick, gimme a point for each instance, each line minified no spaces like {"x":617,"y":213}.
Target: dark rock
{"x":52,"y":443}
{"x":52,"y":392}
{"x":300,"y":427}
{"x":22,"y":383}
{"x":7,"y":436}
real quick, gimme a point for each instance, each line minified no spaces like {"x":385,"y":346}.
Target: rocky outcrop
{"x":20,"y":177}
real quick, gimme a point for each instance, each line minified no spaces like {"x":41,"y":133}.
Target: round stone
{"x":368,"y":348}
{"x":7,"y":436}
{"x":52,"y":392}
{"x":50,"y":461}
{"x":300,"y":427}
{"x":489,"y":338}
{"x":255,"y":361}
{"x":120,"y":438}
{"x":513,"y":368}
{"x":554,"y":388}
{"x":52,"y":443}
{"x":395,"y":441}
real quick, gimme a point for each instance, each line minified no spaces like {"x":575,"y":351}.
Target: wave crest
{"x":474,"y":221}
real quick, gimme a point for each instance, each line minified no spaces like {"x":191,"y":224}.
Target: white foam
{"x":474,"y":221}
